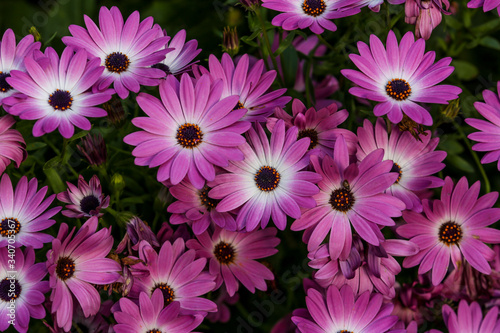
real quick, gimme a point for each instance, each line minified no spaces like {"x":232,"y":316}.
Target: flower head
{"x":486,"y":4}
{"x":180,"y":59}
{"x":426,"y":15}
{"x":469,"y":318}
{"x":12,"y":145}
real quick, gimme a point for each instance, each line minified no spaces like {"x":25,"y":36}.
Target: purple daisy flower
{"x":180,"y":59}
{"x":24,"y":214}
{"x":27,"y":284}
{"x":57,"y":92}
{"x":126,"y":50}
{"x":151,"y":316}
{"x":341,"y":311}
{"x":415,"y":161}
{"x":189,"y":131}
{"x":454,"y":227}
{"x":269,"y":182}
{"x":312,"y":14}
{"x":486,"y":4}
{"x":488,"y":136}
{"x":86,"y":200}
{"x":232,"y":256}
{"x":469,"y":318}
{"x":400,"y":77}
{"x":12,"y":144}
{"x":350,"y":194}
{"x":75,"y":265}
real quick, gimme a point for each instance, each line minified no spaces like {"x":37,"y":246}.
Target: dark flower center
{"x":314,"y":7}
{"x":154,"y":330}
{"x":397,"y":168}
{"x":311,"y":134}
{"x":89,"y":203}
{"x":450,"y":233}
{"x":344,"y":331}
{"x":9,"y":289}
{"x":9,"y":226}
{"x":65,"y":268}
{"x":224,"y":253}
{"x":117,"y":62}
{"x":208,"y":202}
{"x":342,"y":200}
{"x":267,"y":178}
{"x":60,"y":100}
{"x":189,"y":135}
{"x":4,"y":86}
{"x":168,"y":293}
{"x":163,"y":67}
{"x":398,"y":89}
{"x":239,"y":106}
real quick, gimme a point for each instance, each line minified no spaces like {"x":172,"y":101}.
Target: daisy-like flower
{"x":126,"y":50}
{"x":57,"y":92}
{"x":269,"y":182}
{"x":312,"y":14}
{"x":414,"y":160}
{"x":343,"y":311}
{"x":86,"y":200}
{"x":232,"y":256}
{"x":400,"y":77}
{"x":180,"y":59}
{"x":24,"y":288}
{"x":189,"y":131}
{"x":454,"y":227}
{"x":23,"y":213}
{"x":486,"y":4}
{"x":487,"y":136}
{"x":350,"y":194}
{"x":77,"y":263}
{"x":12,"y":144}
{"x":152,"y":316}
{"x":469,"y":318}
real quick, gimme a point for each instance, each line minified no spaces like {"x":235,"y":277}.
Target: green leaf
{"x":52,"y":163}
{"x":460,"y":163}
{"x":55,"y":180}
{"x":35,"y":146}
{"x":247,"y":40}
{"x":452,"y":147}
{"x":485,"y":28}
{"x":285,"y":43}
{"x":490,"y":42}
{"x":452,"y":22}
{"x":289,"y":62}
{"x":465,"y":70}
{"x":78,"y":135}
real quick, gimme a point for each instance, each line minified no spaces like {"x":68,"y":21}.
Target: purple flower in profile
{"x":137,"y":231}
{"x":180,"y":59}
{"x":486,"y":4}
{"x":232,"y":256}
{"x":23,"y":213}
{"x":127,"y":50}
{"x":469,"y":318}
{"x":12,"y":145}
{"x":75,"y":265}
{"x":400,"y":77}
{"x":26,"y":284}
{"x":57,"y":92}
{"x":341,"y":311}
{"x":426,"y":15}
{"x":454,"y":227}
{"x":189,"y":131}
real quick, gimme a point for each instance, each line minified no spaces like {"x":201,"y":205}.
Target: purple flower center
{"x":189,"y":135}
{"x":397,"y":168}
{"x":314,"y":7}
{"x":398,"y":89}
{"x":207,"y":202}
{"x":9,"y":289}
{"x":4,"y":86}
{"x":163,"y":67}
{"x":450,"y":233}
{"x":88,"y":204}
{"x":168,"y":293}
{"x":60,"y":100}
{"x":117,"y":62}
{"x":311,"y":134}
{"x":65,"y":268}
{"x":224,"y":253}
{"x":267,"y":178}
{"x":239,"y":106}
{"x":342,"y":199}
{"x":9,"y":226}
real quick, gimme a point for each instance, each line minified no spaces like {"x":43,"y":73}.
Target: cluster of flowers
{"x":206,"y":133}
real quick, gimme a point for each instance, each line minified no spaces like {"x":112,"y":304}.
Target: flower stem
{"x":325,"y":42}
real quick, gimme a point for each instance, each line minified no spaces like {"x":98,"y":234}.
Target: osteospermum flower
{"x":57,"y":92}
{"x":75,"y":265}
{"x":126,"y":50}
{"x":469,"y":318}
{"x":180,"y":59}
{"x":454,"y":227}
{"x":189,"y":131}
{"x":340,"y":310}
{"x":486,"y":4}
{"x":232,"y":256}
{"x":414,"y":160}
{"x":12,"y":145}
{"x":23,"y":213}
{"x":269,"y":182}
{"x":86,"y":200}
{"x":21,"y":283}
{"x":400,"y":77}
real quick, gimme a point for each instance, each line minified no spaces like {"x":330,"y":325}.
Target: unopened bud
{"x":452,"y":109}
{"x":33,"y":31}
{"x":117,"y":182}
{"x":231,"y":42}
{"x":93,"y":148}
{"x":115,"y":111}
{"x":250,"y":4}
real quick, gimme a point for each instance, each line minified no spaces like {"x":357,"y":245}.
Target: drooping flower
{"x":454,"y":227}
{"x":486,"y":4}
{"x":57,"y":92}
{"x":400,"y":77}
{"x":414,"y":160}
{"x":77,"y":263}
{"x":180,"y":59}
{"x":21,"y":283}
{"x":86,"y":200}
{"x":12,"y":144}
{"x":426,"y":15}
{"x":232,"y":256}
{"x":126,"y":50}
{"x":23,"y":213}
{"x":269,"y":181}
{"x":469,"y":318}
{"x":189,"y":131}
{"x":137,"y":231}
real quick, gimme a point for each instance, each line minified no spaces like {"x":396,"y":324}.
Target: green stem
{"x":51,"y":145}
{"x":325,"y":42}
